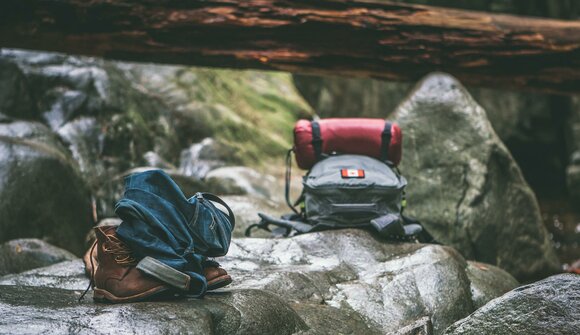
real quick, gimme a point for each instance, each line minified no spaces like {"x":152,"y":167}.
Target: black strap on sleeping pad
{"x":215,"y":198}
{"x":385,"y":141}
{"x":266,"y":220}
{"x":316,"y":140}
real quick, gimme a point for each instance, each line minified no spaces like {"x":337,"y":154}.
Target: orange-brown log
{"x":332,"y":37}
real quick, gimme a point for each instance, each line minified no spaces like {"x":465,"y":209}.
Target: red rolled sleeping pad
{"x":370,"y":137}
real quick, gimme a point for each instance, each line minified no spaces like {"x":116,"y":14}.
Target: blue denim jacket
{"x":160,"y":222}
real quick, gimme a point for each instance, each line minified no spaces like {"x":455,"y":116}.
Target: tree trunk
{"x":334,"y":37}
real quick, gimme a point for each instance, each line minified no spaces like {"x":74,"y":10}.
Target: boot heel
{"x":98,"y":296}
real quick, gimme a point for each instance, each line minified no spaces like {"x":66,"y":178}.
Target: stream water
{"x":563,"y":224}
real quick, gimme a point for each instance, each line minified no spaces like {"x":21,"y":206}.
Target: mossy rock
{"x":249,"y":111}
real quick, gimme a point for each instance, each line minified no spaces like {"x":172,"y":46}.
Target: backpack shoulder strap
{"x":288,"y":179}
{"x":215,"y":198}
{"x":289,"y":225}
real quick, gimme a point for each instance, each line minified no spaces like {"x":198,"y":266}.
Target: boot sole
{"x":100,"y":295}
{"x":175,"y":278}
{"x":219,"y":282}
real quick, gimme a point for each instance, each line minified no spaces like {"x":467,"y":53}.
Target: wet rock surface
{"x":68,"y":275}
{"x":335,"y":282}
{"x":486,"y":280}
{"x":550,"y":306}
{"x":389,"y":285}
{"x":41,"y":191}
{"x":25,"y":254}
{"x":59,"y":312}
{"x":464,"y":185}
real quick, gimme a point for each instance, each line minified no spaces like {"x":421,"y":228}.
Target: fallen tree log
{"x":333,"y":37}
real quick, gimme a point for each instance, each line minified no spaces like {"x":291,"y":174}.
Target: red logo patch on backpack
{"x":352,"y":173}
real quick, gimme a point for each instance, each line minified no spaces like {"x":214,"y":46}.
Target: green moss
{"x":251,"y":111}
{"x":166,"y":109}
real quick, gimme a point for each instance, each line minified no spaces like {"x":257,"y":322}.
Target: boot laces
{"x":123,"y":255}
{"x":92,"y":279}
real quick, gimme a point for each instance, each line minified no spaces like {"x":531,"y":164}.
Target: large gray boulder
{"x":30,"y":253}
{"x":550,"y":306}
{"x":486,"y":281}
{"x":464,"y":186}
{"x":389,"y":285}
{"x":41,"y":192}
{"x":345,"y":282}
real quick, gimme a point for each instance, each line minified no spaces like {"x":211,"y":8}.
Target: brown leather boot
{"x":115,"y":277}
{"x":216,"y":276}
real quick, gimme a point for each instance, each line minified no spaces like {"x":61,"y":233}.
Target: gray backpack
{"x":347,"y":191}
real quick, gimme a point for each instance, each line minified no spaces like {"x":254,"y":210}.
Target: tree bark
{"x":333,"y":37}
